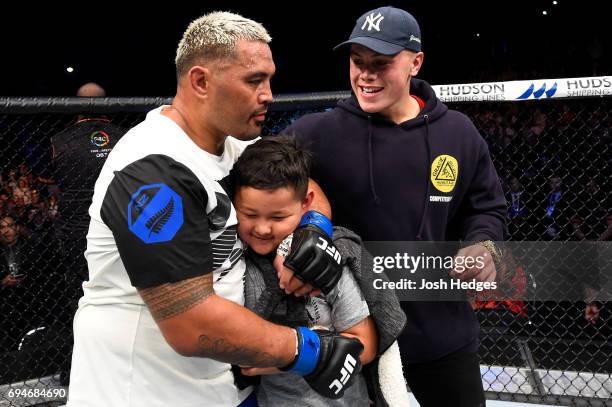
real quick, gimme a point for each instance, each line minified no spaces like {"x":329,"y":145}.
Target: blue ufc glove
{"x":329,"y":362}
{"x":313,"y":258}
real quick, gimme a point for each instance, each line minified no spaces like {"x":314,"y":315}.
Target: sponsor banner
{"x":526,"y":90}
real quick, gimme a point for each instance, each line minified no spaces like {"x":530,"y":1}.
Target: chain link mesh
{"x":530,"y":352}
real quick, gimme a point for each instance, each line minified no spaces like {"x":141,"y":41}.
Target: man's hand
{"x":10,"y":281}
{"x":483,"y":270}
{"x":328,"y":361}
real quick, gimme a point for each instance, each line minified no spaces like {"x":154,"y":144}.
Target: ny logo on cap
{"x":373,"y":22}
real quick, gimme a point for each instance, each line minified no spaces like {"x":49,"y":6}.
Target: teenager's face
{"x":381,"y":82}
{"x":266,"y":217}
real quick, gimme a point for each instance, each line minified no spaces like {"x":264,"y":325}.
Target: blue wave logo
{"x":155,"y":213}
{"x":538,"y":93}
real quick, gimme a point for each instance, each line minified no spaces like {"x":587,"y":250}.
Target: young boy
{"x":271,"y":195}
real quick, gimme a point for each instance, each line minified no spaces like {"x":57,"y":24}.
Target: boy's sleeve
{"x":347,"y":303}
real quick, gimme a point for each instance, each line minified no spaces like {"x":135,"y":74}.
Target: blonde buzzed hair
{"x":214,"y":36}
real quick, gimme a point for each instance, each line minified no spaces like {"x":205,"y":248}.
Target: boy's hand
{"x":313,"y":258}
{"x":292,"y":284}
{"x":310,"y":257}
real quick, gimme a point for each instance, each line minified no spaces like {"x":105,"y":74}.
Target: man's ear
{"x":199,"y":80}
{"x":307,"y":201}
{"x":417,"y":63}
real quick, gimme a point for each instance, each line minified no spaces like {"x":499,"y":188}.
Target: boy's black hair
{"x":274,"y":162}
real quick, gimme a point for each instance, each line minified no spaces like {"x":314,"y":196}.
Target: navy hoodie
{"x":381,"y":183}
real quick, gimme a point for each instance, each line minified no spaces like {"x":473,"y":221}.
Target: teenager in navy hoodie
{"x":398,"y":165}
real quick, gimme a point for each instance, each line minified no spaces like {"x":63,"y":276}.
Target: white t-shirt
{"x":158,"y":216}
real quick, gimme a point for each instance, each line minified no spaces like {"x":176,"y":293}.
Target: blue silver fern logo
{"x":155,"y":213}
{"x":156,"y":222}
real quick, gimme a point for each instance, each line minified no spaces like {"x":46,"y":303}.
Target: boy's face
{"x":266,"y":217}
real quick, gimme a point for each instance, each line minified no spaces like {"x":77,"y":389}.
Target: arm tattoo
{"x":170,"y":299}
{"x":225,"y":351}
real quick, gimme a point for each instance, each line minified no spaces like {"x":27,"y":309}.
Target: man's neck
{"x":207,"y":139}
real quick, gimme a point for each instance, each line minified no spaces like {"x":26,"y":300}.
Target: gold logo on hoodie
{"x":444,"y":173}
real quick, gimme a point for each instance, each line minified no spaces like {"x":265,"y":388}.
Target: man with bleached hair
{"x":161,"y":319}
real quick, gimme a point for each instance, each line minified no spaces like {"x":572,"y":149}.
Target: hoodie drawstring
{"x":419,"y":235}
{"x":371,"y":162}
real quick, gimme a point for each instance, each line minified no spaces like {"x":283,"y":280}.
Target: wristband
{"x":493,"y":250}
{"x":318,"y":219}
{"x":307,"y":358}
{"x":284,"y":248}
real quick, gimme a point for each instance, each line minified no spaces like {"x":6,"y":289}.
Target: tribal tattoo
{"x":171,"y":299}
{"x":223,"y":350}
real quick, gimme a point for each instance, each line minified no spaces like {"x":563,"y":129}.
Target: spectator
{"x":79,"y":152}
{"x":552,"y":217}
{"x":9,"y":235}
{"x":593,"y":210}
{"x":91,"y":89}
{"x":4,"y":200}
{"x":37,"y":213}
{"x":607,"y":234}
{"x":52,"y":208}
{"x":518,"y":211}
{"x":15,"y":269}
{"x":21,"y":193}
{"x":567,"y":116}
{"x":24,"y":171}
{"x":11,"y":181}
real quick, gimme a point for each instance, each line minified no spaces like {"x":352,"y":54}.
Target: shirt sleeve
{"x":156,"y":209}
{"x":228,"y":183}
{"x":348,"y":306}
{"x":484,"y":206}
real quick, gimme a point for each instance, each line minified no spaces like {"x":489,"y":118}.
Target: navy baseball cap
{"x":387,"y":31}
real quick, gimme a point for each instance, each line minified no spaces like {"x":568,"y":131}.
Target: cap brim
{"x":376,"y":45}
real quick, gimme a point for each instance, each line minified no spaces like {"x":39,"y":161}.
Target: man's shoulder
{"x":146,"y":138}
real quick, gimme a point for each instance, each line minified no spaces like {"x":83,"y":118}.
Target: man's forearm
{"x":320,"y":202}
{"x":222,"y":330}
{"x":237,"y":335}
